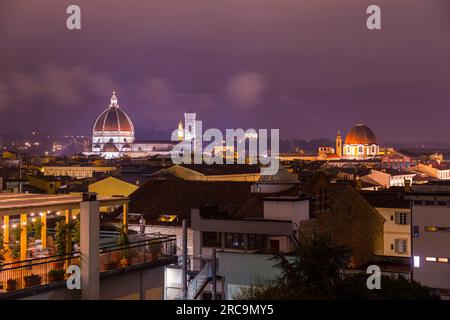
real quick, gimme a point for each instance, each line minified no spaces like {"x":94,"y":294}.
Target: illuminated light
{"x":41,"y":214}
{"x":14,"y":226}
{"x":431,"y":229}
{"x":48,"y":211}
{"x":24,"y":223}
{"x":32,"y":214}
{"x":74,"y":217}
{"x":4,"y":226}
{"x":58,"y":213}
{"x":416,"y":262}
{"x":430,"y":259}
{"x":445,"y":260}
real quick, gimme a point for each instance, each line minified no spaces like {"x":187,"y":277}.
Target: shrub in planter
{"x":58,"y":265}
{"x":56,"y":275}
{"x":11,"y":285}
{"x":32,"y":280}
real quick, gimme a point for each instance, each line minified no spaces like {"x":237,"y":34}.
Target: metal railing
{"x":198,"y":282}
{"x":40,"y":271}
{"x":146,"y":249}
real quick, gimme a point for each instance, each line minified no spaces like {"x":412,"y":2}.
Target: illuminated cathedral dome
{"x":113,"y":131}
{"x":361,"y":143}
{"x":360,"y":134}
{"x":113,"y":119}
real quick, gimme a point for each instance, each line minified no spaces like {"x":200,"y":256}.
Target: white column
{"x":89,"y":249}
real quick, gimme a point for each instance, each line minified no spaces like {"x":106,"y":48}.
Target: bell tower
{"x":339,"y":144}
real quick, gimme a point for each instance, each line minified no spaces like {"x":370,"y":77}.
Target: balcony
{"x":142,"y":250}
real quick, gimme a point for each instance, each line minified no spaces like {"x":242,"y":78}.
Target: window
{"x":431,"y":229}
{"x":211,"y":239}
{"x":416,"y":262}
{"x":443,"y":260}
{"x":430,"y":259}
{"x":401,"y":218}
{"x":442,"y":203}
{"x":400,"y":246}
{"x":256,"y":241}
{"x":234,"y":240}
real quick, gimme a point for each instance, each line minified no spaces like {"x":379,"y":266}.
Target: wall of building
{"x":242,"y":270}
{"x":148,"y":283}
{"x":74,"y":171}
{"x":293,"y":211}
{"x":434,"y":274}
{"x":355,"y":223}
{"x":393,"y":231}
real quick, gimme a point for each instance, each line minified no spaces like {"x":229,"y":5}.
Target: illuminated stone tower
{"x":339,"y":144}
{"x":189,"y":130}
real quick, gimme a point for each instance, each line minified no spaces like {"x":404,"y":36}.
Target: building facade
{"x":430,"y":219}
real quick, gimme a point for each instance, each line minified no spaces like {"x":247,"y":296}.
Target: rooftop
{"x":386,"y":199}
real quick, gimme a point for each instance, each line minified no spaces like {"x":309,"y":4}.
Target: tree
{"x":315,"y":271}
{"x":61,"y":237}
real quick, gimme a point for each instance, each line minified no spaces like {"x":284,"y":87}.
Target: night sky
{"x":308,"y":67}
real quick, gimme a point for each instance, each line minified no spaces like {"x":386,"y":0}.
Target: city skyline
{"x":286,"y":65}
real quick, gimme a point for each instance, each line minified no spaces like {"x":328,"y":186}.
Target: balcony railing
{"x":41,"y":271}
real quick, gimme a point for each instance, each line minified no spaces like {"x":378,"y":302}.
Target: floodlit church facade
{"x":113,"y":135}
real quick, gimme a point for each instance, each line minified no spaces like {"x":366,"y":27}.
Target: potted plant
{"x":56,"y":275}
{"x":32,"y":280}
{"x":11,"y":284}
{"x":15,"y":254}
{"x":123,"y":242}
{"x":61,"y":237}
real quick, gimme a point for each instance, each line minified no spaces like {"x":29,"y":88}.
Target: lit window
{"x":416,"y":261}
{"x":430,"y":259}
{"x":443,"y":260}
{"x":431,"y":229}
